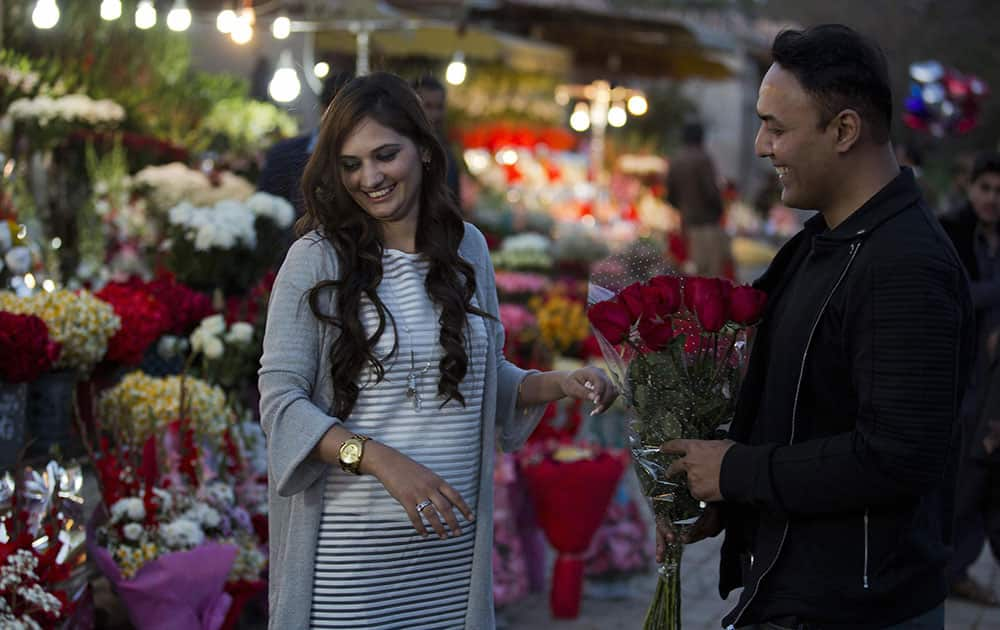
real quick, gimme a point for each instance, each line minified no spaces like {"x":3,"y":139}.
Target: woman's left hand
{"x":590,"y":383}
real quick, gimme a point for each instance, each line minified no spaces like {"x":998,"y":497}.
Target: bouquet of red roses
{"x":677,"y":349}
{"x":26,"y":350}
{"x":143,"y":317}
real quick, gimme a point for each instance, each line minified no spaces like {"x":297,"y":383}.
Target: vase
{"x":50,"y":412}
{"x":13,"y":411}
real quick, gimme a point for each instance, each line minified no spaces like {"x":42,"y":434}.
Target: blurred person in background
{"x":285,"y":162}
{"x":433,"y":98}
{"x":692,"y":189}
{"x":972,"y":227}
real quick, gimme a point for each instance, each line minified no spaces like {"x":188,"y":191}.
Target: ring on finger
{"x":424,"y":504}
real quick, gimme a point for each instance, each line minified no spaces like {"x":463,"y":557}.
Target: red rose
{"x":746,"y":305}
{"x":696,"y":285}
{"x":631,"y":298}
{"x":711,"y":307}
{"x":143,"y":317}
{"x":661,"y":296}
{"x":656,"y":335}
{"x":26,"y":350}
{"x":610,"y":319}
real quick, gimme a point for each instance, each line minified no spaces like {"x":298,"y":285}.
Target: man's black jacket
{"x":839,"y":487}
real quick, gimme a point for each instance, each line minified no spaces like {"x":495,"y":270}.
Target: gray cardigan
{"x":295,"y":394}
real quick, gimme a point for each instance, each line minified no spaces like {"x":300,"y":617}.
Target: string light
{"x":145,"y":15}
{"x":637,"y":105}
{"x":111,"y":9}
{"x":321,"y":69}
{"x":226,"y":20}
{"x":455,"y":74}
{"x":281,"y":28}
{"x":285,"y":86}
{"x":579,"y":120}
{"x":179,"y":18}
{"x":617,"y":116}
{"x":46,"y":14}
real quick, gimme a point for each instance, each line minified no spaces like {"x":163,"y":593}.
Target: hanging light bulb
{"x":111,"y":9}
{"x":637,"y":105}
{"x":284,"y":86}
{"x":281,"y":28}
{"x":226,"y":20}
{"x":321,"y":69}
{"x":179,"y":18}
{"x":455,"y":74}
{"x":242,"y":31}
{"x":579,"y":120}
{"x":247,"y":13}
{"x":46,"y":14}
{"x":617,"y":116}
{"x":145,"y":15}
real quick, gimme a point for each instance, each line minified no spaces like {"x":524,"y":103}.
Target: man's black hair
{"x":841,"y":69}
{"x":986,"y":162}
{"x":428,"y":82}
{"x":692,"y":134}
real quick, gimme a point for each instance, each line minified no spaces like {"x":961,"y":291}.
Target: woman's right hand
{"x":412,"y":484}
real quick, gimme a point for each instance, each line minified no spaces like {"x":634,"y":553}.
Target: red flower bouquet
{"x":143,"y":317}
{"x":677,"y":350}
{"x":185,"y":307}
{"x":26,"y":351}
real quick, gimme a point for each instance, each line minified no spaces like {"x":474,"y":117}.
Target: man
{"x":432,"y":96}
{"x":834,"y":487}
{"x":972,"y":228}
{"x":286,"y":160}
{"x":693,"y":190}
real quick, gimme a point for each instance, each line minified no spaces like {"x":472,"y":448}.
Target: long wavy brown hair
{"x":357,"y":239}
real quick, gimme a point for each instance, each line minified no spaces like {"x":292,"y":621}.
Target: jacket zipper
{"x":865,"y":574}
{"x":855,"y":246}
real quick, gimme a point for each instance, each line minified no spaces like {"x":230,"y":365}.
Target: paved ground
{"x":702,"y":609}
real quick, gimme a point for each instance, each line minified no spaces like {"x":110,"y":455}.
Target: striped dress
{"x":373,"y":571}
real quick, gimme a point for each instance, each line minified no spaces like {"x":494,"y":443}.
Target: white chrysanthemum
{"x":131,"y":508}
{"x":240,"y":333}
{"x":213,"y":325}
{"x":213,"y":348}
{"x":277,"y":209}
{"x":132,"y":531}
{"x":182,"y":533}
{"x":204,"y":514}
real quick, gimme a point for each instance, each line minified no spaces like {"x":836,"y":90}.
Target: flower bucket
{"x":50,"y":411}
{"x":13,"y":411}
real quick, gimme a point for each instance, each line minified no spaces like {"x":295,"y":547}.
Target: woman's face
{"x":382,"y":171}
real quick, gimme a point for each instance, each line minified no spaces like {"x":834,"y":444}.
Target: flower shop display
{"x":26,"y":353}
{"x":524,"y":252}
{"x":217,"y":247}
{"x":44,"y":577}
{"x":571,"y":488}
{"x":168,"y":185}
{"x":677,"y":350}
{"x":246,"y":126}
{"x":48,"y":120}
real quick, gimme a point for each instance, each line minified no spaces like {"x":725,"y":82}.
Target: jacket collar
{"x":895,"y":197}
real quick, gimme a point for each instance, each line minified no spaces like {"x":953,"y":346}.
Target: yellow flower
{"x":562,"y":322}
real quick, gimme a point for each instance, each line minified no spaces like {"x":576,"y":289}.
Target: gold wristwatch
{"x":351,"y":452}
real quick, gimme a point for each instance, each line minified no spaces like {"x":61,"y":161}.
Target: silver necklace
{"x":412,"y":392}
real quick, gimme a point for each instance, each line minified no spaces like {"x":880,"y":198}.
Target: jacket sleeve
{"x":288,"y":373}
{"x":513,"y":424}
{"x":907,"y":331}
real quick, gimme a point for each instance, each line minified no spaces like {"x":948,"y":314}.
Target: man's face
{"x":802,"y":152}
{"x":433,"y":102}
{"x":984,"y":195}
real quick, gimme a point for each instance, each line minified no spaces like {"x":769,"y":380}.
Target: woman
{"x":384,"y":391}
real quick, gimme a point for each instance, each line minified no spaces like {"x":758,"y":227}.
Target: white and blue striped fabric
{"x":373,"y":571}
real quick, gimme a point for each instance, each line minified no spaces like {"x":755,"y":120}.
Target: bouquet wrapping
{"x":677,"y":349}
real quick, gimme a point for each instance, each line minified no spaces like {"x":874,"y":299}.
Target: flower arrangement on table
{"x":216,"y":247}
{"x":524,"y":252}
{"x":677,"y":349}
{"x":79,"y":322}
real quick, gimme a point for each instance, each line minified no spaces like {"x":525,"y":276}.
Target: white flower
{"x":18,"y":259}
{"x":166,"y":501}
{"x":130,"y":507}
{"x":272,"y":207}
{"x":204,"y":514}
{"x":213,"y":325}
{"x":167,"y":346}
{"x":240,"y":332}
{"x":213,"y":348}
{"x":132,"y":531}
{"x":527,"y":241}
{"x":182,"y":534}
{"x":219,"y":494}
{"x":37,"y":595}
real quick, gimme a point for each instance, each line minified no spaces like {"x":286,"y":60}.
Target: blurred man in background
{"x":433,"y":97}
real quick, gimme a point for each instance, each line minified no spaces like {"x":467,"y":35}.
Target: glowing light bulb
{"x":617,"y":116}
{"x":46,"y":14}
{"x":225,"y":21}
{"x":179,"y":18}
{"x":281,"y":28}
{"x":111,"y":9}
{"x":284,"y":86}
{"x":637,"y":105}
{"x":145,"y":15}
{"x":242,"y":31}
{"x":321,"y":69}
{"x":455,"y":74}
{"x":579,"y":120}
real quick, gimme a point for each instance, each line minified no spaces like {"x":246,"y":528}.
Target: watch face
{"x":351,"y":453}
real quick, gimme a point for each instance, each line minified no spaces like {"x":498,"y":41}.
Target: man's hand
{"x":702,"y":462}
{"x":708,"y":525}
